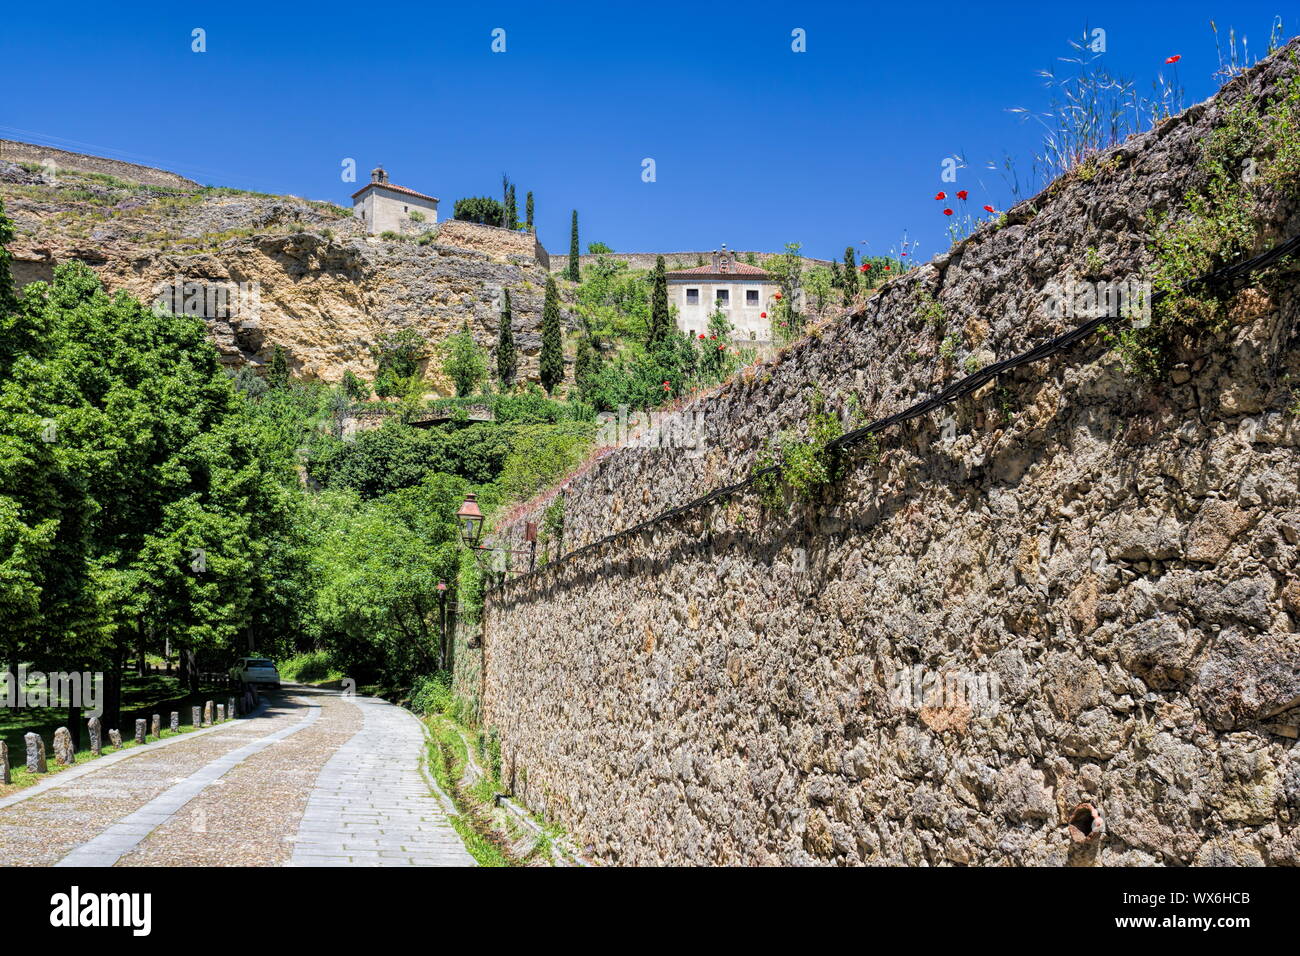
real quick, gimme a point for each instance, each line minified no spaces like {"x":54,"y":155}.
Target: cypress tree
{"x":506,"y":345}
{"x":850,"y":276}
{"x":586,"y":365}
{"x":575,"y":274}
{"x":505,"y":199}
{"x":552,"y":360}
{"x":278,"y":375}
{"x":659,"y":316}
{"x":512,"y":210}
{"x":8,"y":295}
{"x":528,"y":206}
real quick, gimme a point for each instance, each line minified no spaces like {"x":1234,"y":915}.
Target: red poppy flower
{"x":1175,"y":58}
{"x":667,"y":387}
{"x":722,"y":348}
{"x":939,"y":196}
{"x":886,"y":268}
{"x":947,"y":212}
{"x":902,"y":253}
{"x":865,"y":267}
{"x":701,"y":335}
{"x":762,"y":315}
{"x":989,"y":209}
{"x":778,"y":295}
{"x":962,"y":194}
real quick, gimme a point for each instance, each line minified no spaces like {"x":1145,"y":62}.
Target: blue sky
{"x":754,"y":145}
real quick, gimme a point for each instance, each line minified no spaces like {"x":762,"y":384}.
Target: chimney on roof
{"x":715,"y":260}
{"x":724,"y":262}
{"x":377,"y":175}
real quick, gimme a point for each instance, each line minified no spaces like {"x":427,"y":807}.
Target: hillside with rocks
{"x":326,"y":292}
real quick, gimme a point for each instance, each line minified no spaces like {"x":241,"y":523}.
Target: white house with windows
{"x":387,"y":207}
{"x":743,"y":293}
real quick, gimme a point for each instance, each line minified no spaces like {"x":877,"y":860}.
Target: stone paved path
{"x":262,"y":791}
{"x":371,"y":805}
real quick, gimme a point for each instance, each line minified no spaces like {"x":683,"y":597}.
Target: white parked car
{"x":255,"y":670}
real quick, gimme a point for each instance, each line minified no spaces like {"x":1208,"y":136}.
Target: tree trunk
{"x":74,"y":726}
{"x":113,"y":692}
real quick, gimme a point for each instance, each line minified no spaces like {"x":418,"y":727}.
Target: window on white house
{"x":751,"y":298}
{"x":692,"y":296}
{"x":723,"y":298}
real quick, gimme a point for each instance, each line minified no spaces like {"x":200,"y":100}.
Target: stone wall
{"x":16,"y":152}
{"x":495,"y":241}
{"x":673,"y":260}
{"x":1111,"y":560}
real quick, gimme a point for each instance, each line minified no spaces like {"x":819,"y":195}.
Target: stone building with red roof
{"x":387,"y":207}
{"x":743,"y":293}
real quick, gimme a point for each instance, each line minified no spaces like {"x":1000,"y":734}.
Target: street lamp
{"x":471,"y":521}
{"x":442,"y":625}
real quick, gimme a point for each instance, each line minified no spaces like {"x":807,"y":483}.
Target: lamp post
{"x":442,"y":625}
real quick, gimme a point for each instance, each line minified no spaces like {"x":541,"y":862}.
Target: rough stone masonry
{"x":1111,"y":559}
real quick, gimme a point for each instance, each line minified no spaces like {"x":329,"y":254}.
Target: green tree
{"x":575,"y":273}
{"x":463,"y":361}
{"x":818,"y":286}
{"x":787,"y":268}
{"x":277,"y":376}
{"x":512,"y":210}
{"x":506,"y":354}
{"x":552,"y":358}
{"x":354,"y":388}
{"x":528,"y":207}
{"x":849,"y":276}
{"x":397,"y":358}
{"x":660,"y":317}
{"x":598,"y":248}
{"x":586,"y":364}
{"x":480,"y":209}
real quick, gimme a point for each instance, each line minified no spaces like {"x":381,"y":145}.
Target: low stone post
{"x":139,"y":730}
{"x":63,"y":755}
{"x":155,"y":725}
{"x":207,"y":714}
{"x":221,"y":713}
{"x":230,"y":708}
{"x":4,"y":764}
{"x":35,"y":753}
{"x":96,"y":736}
{"x":115,"y":738}
{"x":175,"y":722}
{"x":198,"y":720}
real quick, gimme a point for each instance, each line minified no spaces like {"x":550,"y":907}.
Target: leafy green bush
{"x":309,"y":667}
{"x":431,"y":694}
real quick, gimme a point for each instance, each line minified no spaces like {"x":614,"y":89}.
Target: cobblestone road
{"x":318,"y":779}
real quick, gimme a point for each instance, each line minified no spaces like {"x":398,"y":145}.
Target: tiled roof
{"x":735,"y":268}
{"x":395,"y":188}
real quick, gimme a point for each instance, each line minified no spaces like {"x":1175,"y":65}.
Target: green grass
{"x":448,"y":758}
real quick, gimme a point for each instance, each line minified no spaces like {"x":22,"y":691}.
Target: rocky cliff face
{"x":1071,"y":598}
{"x":267,"y":270}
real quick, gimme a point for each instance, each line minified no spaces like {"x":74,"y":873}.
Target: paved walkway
{"x":371,"y":805}
{"x":262,"y":791}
